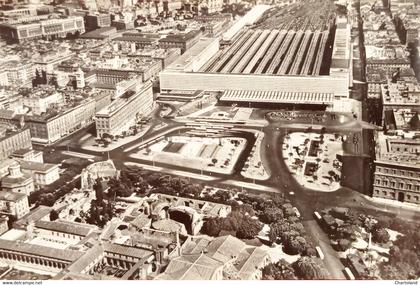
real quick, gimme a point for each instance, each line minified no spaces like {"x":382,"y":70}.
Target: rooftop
{"x":38,"y":250}
{"x":184,"y":61}
{"x":181,"y":37}
{"x":126,"y":250}
{"x":398,"y":149}
{"x":401,"y":92}
{"x":37,"y":166}
{"x":192,"y":267}
{"x":203,"y":258}
{"x":35,"y":215}
{"x":276,"y":97}
{"x":11,"y":196}
{"x":63,"y":226}
{"x":118,"y":103}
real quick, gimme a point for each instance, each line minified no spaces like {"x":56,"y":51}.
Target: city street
{"x":281,"y":180}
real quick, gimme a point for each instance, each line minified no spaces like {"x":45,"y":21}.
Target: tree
{"x":211,"y":227}
{"x":47,"y":199}
{"x":100,"y":213}
{"x":344,"y":244}
{"x":394,"y":253}
{"x":53,"y":215}
{"x":383,"y":222}
{"x":124,"y":191}
{"x":274,"y":232}
{"x":281,"y":270}
{"x":44,"y":79}
{"x":310,"y":268}
{"x":287,"y":236}
{"x":99,"y":190}
{"x":271,"y":215}
{"x":389,"y":272}
{"x":380,"y":235}
{"x":249,"y":228}
{"x":142,"y":186}
{"x":295,"y":245}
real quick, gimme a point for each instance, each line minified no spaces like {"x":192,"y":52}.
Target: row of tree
{"x":292,"y":235}
{"x":404,"y":255}
{"x":239,"y":222}
{"x":102,"y":209}
{"x":49,"y":194}
{"x":305,"y":268}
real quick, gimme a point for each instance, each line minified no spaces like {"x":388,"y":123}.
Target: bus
{"x":319,"y":252}
{"x":317,"y":215}
{"x":349,"y":275}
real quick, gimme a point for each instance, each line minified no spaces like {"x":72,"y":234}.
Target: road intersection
{"x":280,"y":181}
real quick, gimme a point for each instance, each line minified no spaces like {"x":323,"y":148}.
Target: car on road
{"x":291,"y":193}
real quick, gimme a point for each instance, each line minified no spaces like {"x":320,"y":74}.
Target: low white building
{"x":13,"y":204}
{"x":42,"y":173}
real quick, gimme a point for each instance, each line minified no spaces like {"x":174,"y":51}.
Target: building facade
{"x":48,"y":129}
{"x":397,"y":171}
{"x":17,"y":181}
{"x":42,"y":173}
{"x":13,"y":204}
{"x":48,"y":28}
{"x":397,"y":181}
{"x":123,"y":111}
{"x":182,"y":41}
{"x":15,"y":141}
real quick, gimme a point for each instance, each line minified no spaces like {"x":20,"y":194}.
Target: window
{"x":384,"y":193}
{"x":408,"y":186}
{"x":408,"y":197}
{"x":392,"y":183}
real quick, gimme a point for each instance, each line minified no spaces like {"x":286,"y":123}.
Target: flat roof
{"x":119,"y":103}
{"x":66,"y":227}
{"x":11,"y":196}
{"x":39,"y":250}
{"x":181,"y":62}
{"x":37,"y":166}
{"x":126,"y":250}
{"x":33,"y":216}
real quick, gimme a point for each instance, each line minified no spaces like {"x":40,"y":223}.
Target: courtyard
{"x":16,"y":274}
{"x":214,"y":154}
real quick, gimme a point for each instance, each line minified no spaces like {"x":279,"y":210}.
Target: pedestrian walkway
{"x":394,"y":203}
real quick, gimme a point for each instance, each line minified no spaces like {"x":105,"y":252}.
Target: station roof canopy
{"x":278,"y":97}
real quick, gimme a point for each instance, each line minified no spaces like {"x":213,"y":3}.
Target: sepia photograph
{"x":170,"y":140}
